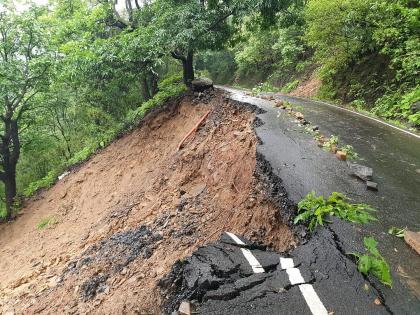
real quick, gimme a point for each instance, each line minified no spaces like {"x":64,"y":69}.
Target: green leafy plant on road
{"x":398,"y":232}
{"x":350,"y":152}
{"x":313,"y":210}
{"x":331,"y":143}
{"x":373,"y":263}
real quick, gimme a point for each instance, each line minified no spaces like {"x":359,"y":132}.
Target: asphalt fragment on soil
{"x":112,"y":254}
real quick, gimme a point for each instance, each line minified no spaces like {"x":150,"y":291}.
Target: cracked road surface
{"x":313,"y":279}
{"x":303,"y":167}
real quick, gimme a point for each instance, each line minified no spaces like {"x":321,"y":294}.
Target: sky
{"x":21,"y":6}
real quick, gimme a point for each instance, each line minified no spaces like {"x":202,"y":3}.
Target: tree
{"x":183,"y":27}
{"x":24,"y":64}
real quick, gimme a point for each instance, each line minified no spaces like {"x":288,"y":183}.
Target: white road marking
{"x":295,"y":277}
{"x":255,"y":265}
{"x":253,"y":262}
{"x":312,"y":299}
{"x":286,"y":263}
{"x":235,"y":238}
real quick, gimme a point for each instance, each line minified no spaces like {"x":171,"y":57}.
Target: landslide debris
{"x":140,"y":205}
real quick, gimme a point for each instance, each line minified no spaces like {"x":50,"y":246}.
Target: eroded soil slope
{"x":135,"y":208}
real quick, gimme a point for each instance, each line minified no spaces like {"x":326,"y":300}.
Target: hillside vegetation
{"x":76,"y":74}
{"x":364,"y":52}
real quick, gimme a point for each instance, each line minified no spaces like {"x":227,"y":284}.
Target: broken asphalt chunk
{"x":363,"y":172}
{"x":372,"y":185}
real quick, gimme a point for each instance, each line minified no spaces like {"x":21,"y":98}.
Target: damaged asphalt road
{"x":315,"y":278}
{"x":303,"y":167}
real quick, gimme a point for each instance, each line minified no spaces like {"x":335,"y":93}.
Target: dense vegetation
{"x":74,"y":74}
{"x":365,"y":52}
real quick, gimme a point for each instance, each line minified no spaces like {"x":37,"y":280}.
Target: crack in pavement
{"x":339,"y":247}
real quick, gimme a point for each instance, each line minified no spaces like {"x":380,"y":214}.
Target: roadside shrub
{"x":289,"y":87}
{"x":168,"y":88}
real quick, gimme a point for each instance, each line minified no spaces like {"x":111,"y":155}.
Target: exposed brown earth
{"x":131,"y":211}
{"x":308,"y":88}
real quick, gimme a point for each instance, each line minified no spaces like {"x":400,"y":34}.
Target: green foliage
{"x":271,"y":53}
{"x":314,"y":210}
{"x":46,"y":222}
{"x":349,"y":150}
{"x":44,"y":182}
{"x":398,"y":232}
{"x":373,"y":263}
{"x":220,"y":66}
{"x":168,"y":88}
{"x":263,"y":87}
{"x":331,"y":143}
{"x":400,"y":106}
{"x":289,"y":87}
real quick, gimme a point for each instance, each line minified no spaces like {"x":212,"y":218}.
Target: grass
{"x":332,"y":143}
{"x":350,"y":152}
{"x":313,"y":210}
{"x":46,"y":222}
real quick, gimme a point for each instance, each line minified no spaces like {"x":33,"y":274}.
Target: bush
{"x":45,"y":182}
{"x":289,"y":87}
{"x":168,"y":88}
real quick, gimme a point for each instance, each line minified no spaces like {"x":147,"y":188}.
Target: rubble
{"x":363,"y":172}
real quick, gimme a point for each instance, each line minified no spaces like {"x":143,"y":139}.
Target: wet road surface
{"x":395,"y":159}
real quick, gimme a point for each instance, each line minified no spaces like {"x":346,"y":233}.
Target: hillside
{"x":120,"y":221}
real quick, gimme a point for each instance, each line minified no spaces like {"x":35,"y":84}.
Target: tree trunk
{"x":188,"y":68}
{"x":10,"y":191}
{"x":10,"y":152}
{"x":153,"y":88}
{"x":145,"y":88}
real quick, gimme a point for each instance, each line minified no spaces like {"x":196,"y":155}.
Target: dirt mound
{"x":125,"y":217}
{"x":308,"y":88}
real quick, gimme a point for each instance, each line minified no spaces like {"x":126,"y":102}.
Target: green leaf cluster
{"x":313,"y":210}
{"x":373,"y":263}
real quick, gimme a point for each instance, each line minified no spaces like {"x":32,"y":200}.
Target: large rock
{"x":201,"y":84}
{"x":363,"y":172}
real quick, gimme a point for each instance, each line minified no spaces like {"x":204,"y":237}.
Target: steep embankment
{"x":120,"y":221}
